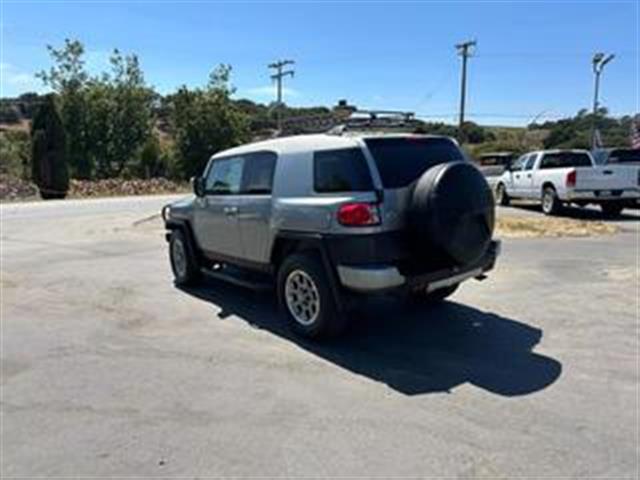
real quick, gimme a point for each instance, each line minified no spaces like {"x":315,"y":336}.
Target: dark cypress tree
{"x":49,"y":164}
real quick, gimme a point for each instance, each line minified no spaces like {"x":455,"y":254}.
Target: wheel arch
{"x":289,"y":242}
{"x":185,"y":227}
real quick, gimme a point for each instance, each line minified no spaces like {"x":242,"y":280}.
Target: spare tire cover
{"x":452,"y":209}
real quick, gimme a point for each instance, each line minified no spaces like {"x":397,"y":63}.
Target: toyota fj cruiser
{"x":328,"y":217}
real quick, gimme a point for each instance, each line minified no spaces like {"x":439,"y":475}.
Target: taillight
{"x":358,"y":214}
{"x":571,"y":179}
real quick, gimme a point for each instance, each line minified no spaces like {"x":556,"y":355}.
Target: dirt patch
{"x":529,"y":227}
{"x":12,"y":188}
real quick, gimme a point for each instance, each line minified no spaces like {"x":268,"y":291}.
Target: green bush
{"x":15,"y":154}
{"x":49,"y":164}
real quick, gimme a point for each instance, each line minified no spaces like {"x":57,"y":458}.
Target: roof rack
{"x":336,"y":124}
{"x":377,"y":120}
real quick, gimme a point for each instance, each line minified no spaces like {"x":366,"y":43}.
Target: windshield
{"x":401,"y":161}
{"x":624,"y":156}
{"x":566,"y":159}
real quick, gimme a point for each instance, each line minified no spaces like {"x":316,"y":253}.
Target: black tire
{"x":184,"y":264}
{"x":551,"y":204}
{"x":502,"y":197}
{"x":436,"y":296}
{"x":611,"y":210}
{"x":322,"y":316}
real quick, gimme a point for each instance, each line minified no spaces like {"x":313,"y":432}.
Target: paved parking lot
{"x":109,"y":370}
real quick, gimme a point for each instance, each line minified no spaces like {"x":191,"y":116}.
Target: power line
{"x":278,"y":76}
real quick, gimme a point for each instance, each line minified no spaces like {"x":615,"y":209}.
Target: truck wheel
{"x":551,"y":204}
{"x":502,"y":197}
{"x":611,"y":210}
{"x":183,"y":263}
{"x":306,"y":297}
{"x":435,"y":296}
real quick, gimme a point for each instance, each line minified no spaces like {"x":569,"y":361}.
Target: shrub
{"x":49,"y":166}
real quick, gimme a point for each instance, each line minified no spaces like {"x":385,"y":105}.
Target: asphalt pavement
{"x":109,"y":370}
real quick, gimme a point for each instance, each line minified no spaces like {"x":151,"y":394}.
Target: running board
{"x":238,"y":277}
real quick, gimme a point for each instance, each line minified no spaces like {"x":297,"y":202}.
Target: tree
{"x":205,"y":121}
{"x":68,"y":78}
{"x":120,"y":115}
{"x":49,"y":166}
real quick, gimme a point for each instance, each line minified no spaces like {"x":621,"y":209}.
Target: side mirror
{"x":197,"y":183}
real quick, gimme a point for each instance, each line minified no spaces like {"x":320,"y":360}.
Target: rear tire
{"x":436,"y":296}
{"x":611,"y":210}
{"x":306,"y":297}
{"x":502,"y":197}
{"x":184,"y":265}
{"x":551,"y":204}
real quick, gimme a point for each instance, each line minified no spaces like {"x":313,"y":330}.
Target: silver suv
{"x":328,"y":218}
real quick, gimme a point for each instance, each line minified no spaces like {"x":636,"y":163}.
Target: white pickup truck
{"x":559,"y":177}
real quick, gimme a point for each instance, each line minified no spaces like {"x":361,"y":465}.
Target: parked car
{"x":493,"y":165}
{"x":559,"y":177}
{"x":626,"y":156}
{"x":331,"y":218}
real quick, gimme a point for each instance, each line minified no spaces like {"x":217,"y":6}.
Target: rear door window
{"x":342,"y":170}
{"x":403,"y":160}
{"x":565,"y":159}
{"x":258,"y":173}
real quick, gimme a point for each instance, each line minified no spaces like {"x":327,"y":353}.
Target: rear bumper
{"x":378,"y":278}
{"x":604,"y":195}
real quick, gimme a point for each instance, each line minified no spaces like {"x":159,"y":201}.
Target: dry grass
{"x":529,"y":227}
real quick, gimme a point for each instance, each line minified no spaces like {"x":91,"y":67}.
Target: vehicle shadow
{"x":579,"y":213}
{"x":414,"y":350}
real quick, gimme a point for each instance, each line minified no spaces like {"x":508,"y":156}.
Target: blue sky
{"x":532,"y":57}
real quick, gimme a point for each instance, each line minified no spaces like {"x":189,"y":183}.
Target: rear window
{"x":401,"y":161}
{"x":343,"y":170}
{"x":624,"y":156}
{"x":565,"y":159}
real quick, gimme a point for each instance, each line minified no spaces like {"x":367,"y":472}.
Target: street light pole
{"x":599,"y":61}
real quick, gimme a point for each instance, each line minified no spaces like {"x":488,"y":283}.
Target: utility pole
{"x":598,"y":62}
{"x":465,"y":51}
{"x":278,"y":76}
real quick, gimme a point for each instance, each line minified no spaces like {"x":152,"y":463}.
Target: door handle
{"x":529,"y":176}
{"x":230,"y":211}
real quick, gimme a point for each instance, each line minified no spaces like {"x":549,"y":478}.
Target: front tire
{"x":183,"y":262}
{"x":551,"y":204}
{"x":502,"y":197}
{"x":611,"y":210}
{"x":306,"y":298}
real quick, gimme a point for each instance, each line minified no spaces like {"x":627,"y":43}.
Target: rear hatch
{"x":401,"y":161}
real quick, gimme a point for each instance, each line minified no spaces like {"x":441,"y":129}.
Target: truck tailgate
{"x":607,"y":177}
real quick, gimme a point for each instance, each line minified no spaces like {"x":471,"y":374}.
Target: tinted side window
{"x":519,"y":163}
{"x":343,"y":170}
{"x":565,"y":159}
{"x":258,"y":173}
{"x":530,"y":162}
{"x":225,"y":176}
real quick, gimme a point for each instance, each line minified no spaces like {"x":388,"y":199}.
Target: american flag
{"x":635,"y":132}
